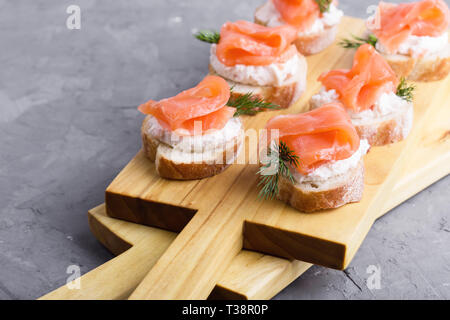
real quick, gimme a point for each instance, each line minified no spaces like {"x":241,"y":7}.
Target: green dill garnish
{"x":248,"y":104}
{"x":405,"y":90}
{"x":356,"y":42}
{"x":208,"y":36}
{"x":280,"y":157}
{"x":324,"y":5}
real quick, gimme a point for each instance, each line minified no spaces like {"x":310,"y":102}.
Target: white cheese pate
{"x":275,"y":74}
{"x":333,"y":168}
{"x":209,"y":141}
{"x":416,"y":46}
{"x":387,"y":103}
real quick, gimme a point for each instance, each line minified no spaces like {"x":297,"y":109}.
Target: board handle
{"x":117,"y":278}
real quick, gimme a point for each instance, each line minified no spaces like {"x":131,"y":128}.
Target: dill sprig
{"x":324,"y":5}
{"x":280,"y":156}
{"x":405,"y":90}
{"x":208,"y":36}
{"x":356,"y":42}
{"x":249,"y":104}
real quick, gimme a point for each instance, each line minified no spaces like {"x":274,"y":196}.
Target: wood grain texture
{"x":251,"y":275}
{"x":195,"y":261}
{"x":288,"y":231}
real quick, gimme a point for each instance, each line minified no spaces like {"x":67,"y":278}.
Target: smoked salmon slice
{"x":247,"y":43}
{"x":397,"y":22}
{"x":298,"y":13}
{"x":205,"y":103}
{"x":361,"y":86}
{"x":319,"y":136}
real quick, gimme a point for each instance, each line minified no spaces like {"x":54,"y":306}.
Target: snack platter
{"x":215,"y":238}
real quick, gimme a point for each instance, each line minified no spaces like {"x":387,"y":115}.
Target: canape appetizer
{"x":380,"y":106}
{"x":319,"y":159}
{"x":258,"y":59}
{"x":316,"y":21}
{"x":197,"y":133}
{"x":412,"y":37}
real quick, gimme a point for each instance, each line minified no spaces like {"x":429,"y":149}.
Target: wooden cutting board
{"x":211,"y":212}
{"x":251,"y":275}
{"x":215,"y":209}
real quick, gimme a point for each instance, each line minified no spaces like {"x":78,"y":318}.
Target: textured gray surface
{"x":68,"y":124}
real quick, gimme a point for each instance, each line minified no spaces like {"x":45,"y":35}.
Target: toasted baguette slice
{"x":334,"y":193}
{"x":428,"y":68}
{"x":387,"y":129}
{"x":307,"y":44}
{"x":317,"y":42}
{"x":283,"y":96}
{"x":173,"y":162}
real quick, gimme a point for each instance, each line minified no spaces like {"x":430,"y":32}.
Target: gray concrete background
{"x":68,"y":124}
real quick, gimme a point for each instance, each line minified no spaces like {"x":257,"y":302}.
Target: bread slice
{"x":390,"y":128}
{"x":428,"y":68}
{"x":316,"y":42}
{"x":333,"y":193}
{"x":284,"y":96}
{"x":306,"y":44}
{"x":387,"y":129}
{"x":189,"y":162}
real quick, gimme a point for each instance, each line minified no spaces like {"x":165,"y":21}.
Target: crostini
{"x":193,"y":135}
{"x":380,"y":106}
{"x":258,"y":59}
{"x":316,"y":21}
{"x":412,"y":37}
{"x":319,"y":158}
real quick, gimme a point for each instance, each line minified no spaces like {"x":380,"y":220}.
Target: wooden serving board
{"x":215,"y":209}
{"x":211,"y":213}
{"x":251,"y":275}
{"x":223,"y":213}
